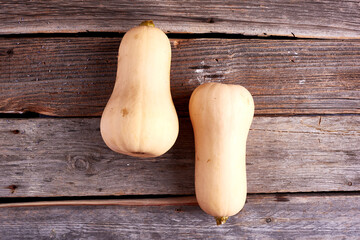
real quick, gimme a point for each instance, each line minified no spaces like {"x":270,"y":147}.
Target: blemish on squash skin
{"x":208,"y":160}
{"x":139,"y":153}
{"x":124,"y":112}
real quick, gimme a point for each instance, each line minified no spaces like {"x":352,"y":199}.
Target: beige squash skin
{"x":140,"y":118}
{"x":221,"y":115}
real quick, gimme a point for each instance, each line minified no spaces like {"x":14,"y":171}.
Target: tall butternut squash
{"x":221,"y":116}
{"x":140,"y":118}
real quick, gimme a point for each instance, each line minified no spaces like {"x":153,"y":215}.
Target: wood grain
{"x":166,"y":201}
{"x":263,"y":217}
{"x":74,"y":76}
{"x":320,"y":19}
{"x":67,"y":157}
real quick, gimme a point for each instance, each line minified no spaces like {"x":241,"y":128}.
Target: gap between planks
{"x":168,"y":201}
{"x":188,"y":200}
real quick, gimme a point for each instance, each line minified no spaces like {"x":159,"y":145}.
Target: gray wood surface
{"x":161,"y":201}
{"x":305,"y":136}
{"x":315,"y":216}
{"x":67,"y":157}
{"x":74,"y":76}
{"x":321,"y":19}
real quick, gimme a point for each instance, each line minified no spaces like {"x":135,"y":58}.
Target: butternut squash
{"x":221,"y":116}
{"x":140,"y":118}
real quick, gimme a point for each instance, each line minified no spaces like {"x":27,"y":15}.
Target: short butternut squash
{"x":140,"y":118}
{"x":221,"y":115}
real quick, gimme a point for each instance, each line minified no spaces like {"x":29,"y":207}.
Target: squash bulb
{"x":221,"y":115}
{"x":140,"y":118}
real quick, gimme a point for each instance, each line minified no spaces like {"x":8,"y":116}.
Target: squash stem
{"x":148,"y":23}
{"x":221,"y":220}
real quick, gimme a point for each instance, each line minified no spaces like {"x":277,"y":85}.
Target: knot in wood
{"x":79,"y":163}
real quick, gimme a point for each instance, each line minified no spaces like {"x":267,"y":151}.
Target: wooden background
{"x":300,"y":60}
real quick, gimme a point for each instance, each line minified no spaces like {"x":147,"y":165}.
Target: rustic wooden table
{"x":300,"y":60}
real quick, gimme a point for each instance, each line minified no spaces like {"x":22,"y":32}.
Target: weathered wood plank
{"x":166,"y":201}
{"x":67,"y":157}
{"x":321,"y":19}
{"x":75,"y":76}
{"x":263,"y":217}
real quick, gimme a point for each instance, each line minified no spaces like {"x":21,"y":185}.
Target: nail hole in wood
{"x":178,"y":210}
{"x":12,"y":188}
{"x":210,"y":20}
{"x":10,"y":52}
